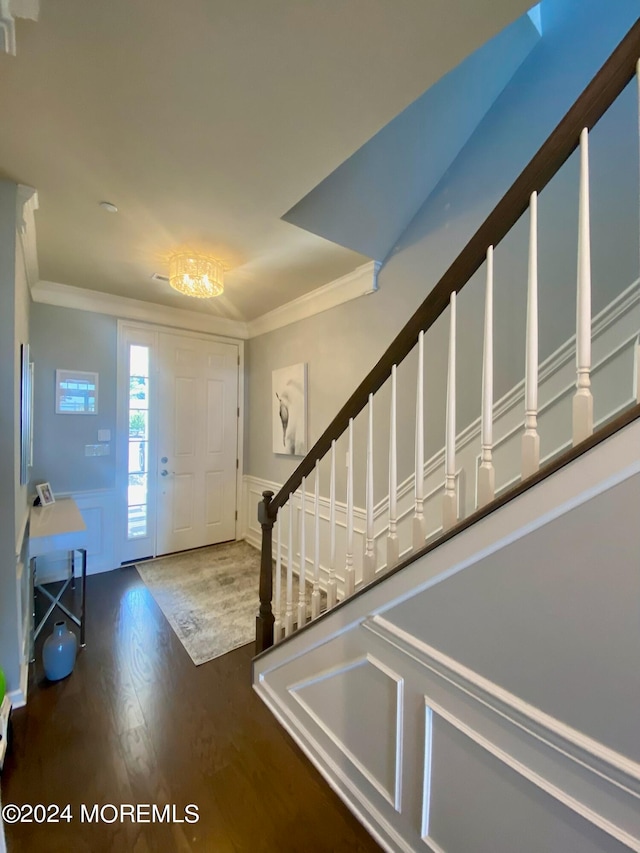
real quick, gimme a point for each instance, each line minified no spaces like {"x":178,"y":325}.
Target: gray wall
{"x":63,"y":338}
{"x":14,"y":318}
{"x":341,"y":345}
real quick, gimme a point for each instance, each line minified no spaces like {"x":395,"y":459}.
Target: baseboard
{"x":362,"y":808}
{"x":18,"y":697}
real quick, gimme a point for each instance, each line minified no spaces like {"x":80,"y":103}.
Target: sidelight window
{"x":138,"y":450}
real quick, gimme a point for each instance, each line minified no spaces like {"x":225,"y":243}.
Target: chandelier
{"x":196,"y":275}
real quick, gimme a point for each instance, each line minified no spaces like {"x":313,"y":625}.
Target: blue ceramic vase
{"x":59,"y":652}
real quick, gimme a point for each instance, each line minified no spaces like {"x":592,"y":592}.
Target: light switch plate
{"x":96,"y":450}
{"x":104,"y":435}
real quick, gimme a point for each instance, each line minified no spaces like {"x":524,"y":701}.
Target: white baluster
{"x":531,"y":439}
{"x":332,"y":586}
{"x":277,"y":623}
{"x":302,"y":585}
{"x":393,"y":546}
{"x":486,"y":473}
{"x":450,"y":498}
{"x":369,"y":563}
{"x":315,"y":595}
{"x":350,"y":574}
{"x":288,"y":617}
{"x":583,"y":399}
{"x":419,"y":527}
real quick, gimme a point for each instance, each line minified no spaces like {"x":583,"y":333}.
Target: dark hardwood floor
{"x":137,"y":723}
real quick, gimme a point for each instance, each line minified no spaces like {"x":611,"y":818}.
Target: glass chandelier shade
{"x":196,"y":275}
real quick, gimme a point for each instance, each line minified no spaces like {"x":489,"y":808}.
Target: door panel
{"x":182,"y":497}
{"x":215,"y":498}
{"x":215,"y":417}
{"x":197,"y":432}
{"x":183,"y":441}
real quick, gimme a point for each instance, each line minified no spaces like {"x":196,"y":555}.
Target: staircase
{"x":480,"y":671}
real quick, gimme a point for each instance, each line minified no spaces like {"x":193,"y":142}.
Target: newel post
{"x":265,"y":618}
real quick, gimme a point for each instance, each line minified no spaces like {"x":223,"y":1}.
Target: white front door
{"x":196,"y":449}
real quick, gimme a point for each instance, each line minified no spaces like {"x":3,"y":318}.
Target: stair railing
{"x":571,"y":133}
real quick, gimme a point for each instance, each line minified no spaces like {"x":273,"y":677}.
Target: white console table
{"x":57,"y":527}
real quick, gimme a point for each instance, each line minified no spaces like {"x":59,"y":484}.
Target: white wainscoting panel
{"x":98,"y":510}
{"x":478,"y":765}
{"x":374,"y":693}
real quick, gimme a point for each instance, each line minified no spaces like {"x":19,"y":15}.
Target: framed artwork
{"x":289,"y":410}
{"x":76,"y":392}
{"x":45,"y":494}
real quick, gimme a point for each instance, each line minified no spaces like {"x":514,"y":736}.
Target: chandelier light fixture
{"x":196,"y":275}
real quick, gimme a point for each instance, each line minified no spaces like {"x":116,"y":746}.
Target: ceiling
{"x":205,"y":121}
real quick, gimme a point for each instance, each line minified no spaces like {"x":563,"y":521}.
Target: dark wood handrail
{"x":596,"y":99}
{"x":563,"y":459}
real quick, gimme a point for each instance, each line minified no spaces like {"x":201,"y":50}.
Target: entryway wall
{"x":85,"y":340}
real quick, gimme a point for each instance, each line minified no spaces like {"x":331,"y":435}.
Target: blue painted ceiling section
{"x":536,"y":16}
{"x":368,"y":201}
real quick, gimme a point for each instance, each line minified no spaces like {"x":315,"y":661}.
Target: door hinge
{"x":237,"y":464}
{"x":238,"y":359}
{"x":238,"y":411}
{"x":236,"y":515}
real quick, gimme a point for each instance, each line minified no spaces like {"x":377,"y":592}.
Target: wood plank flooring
{"x":137,"y":722}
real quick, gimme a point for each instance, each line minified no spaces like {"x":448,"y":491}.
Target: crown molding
{"x":26,"y":226}
{"x":7,"y":28}
{"x":25,"y":9}
{"x":66,"y":296}
{"x":9,"y":11}
{"x":363,"y":280}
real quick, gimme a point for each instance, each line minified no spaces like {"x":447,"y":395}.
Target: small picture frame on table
{"x":45,"y":493}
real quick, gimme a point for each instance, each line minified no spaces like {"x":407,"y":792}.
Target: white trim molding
{"x":361,"y":282}
{"x":615,"y":311}
{"x":459,"y":717}
{"x":7,"y":28}
{"x":27,"y":205}
{"x":98,"y":509}
{"x":394,"y":795}
{"x":147,"y":334}
{"x":9,"y":11}
{"x":83,"y":299}
{"x":554,"y":741}
{"x":18,"y":697}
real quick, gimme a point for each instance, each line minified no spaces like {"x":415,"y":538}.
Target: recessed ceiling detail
{"x":210,"y":152}
{"x":369,"y":200}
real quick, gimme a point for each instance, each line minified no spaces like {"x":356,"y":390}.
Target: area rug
{"x":209,"y":596}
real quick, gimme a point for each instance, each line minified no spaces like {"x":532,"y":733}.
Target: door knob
{"x":164,"y":473}
{"x":164,"y":460}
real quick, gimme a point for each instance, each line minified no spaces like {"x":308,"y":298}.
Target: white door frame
{"x":146,"y":329}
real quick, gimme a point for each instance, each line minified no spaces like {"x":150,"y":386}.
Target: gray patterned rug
{"x":209,"y":596}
